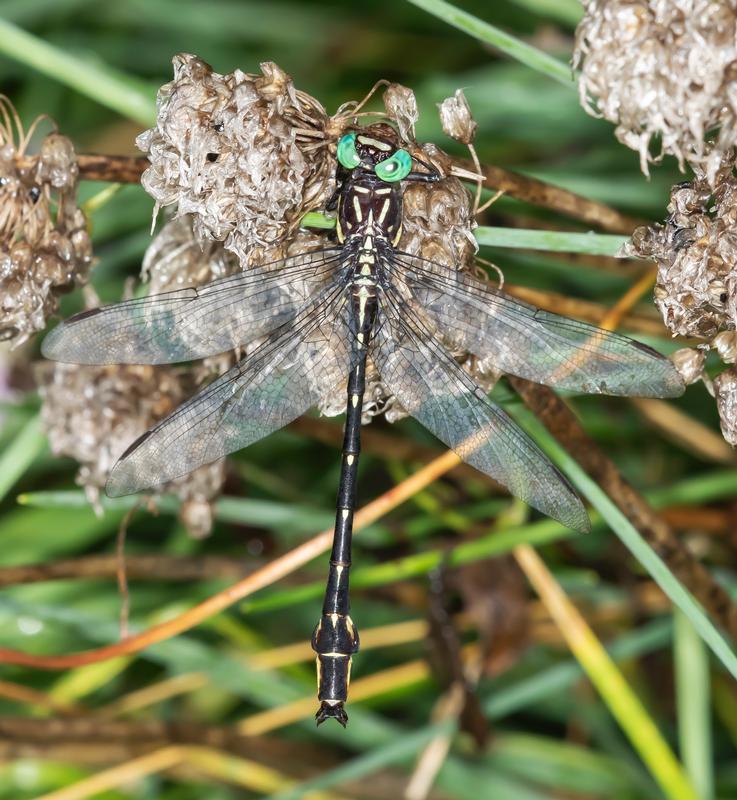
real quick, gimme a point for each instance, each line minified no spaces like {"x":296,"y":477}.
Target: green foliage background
{"x":553,"y":736}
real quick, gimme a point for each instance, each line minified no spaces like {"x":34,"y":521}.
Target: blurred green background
{"x":550,"y":734}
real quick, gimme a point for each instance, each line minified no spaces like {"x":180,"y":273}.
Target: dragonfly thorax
{"x":369,"y":207}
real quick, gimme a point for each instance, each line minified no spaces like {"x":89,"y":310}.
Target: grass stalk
{"x":693,"y":695}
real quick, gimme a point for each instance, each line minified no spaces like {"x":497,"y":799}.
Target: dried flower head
{"x":696,"y":252}
{"x":245,"y":155}
{"x":93,"y":414}
{"x":45,"y":249}
{"x":401,"y":107}
{"x":177,"y":258}
{"x":456,"y":118}
{"x":662,"y":68}
{"x":689,"y":361}
{"x":725,"y":391}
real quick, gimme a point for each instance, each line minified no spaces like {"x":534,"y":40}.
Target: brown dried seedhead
{"x":92,"y":414}
{"x":662,"y":69}
{"x":696,"y":253}
{"x":696,"y":290}
{"x":45,"y":249}
{"x":725,"y":391}
{"x":245,"y":155}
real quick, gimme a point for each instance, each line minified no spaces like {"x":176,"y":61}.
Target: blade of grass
{"x":693,"y":694}
{"x":631,"y":538}
{"x":20,"y":453}
{"x":251,"y":511}
{"x":623,"y":703}
{"x":128,"y":96}
{"x":595,"y":244}
{"x":598,"y":244}
{"x":499,"y":39}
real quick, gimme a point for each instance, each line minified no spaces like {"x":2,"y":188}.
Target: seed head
{"x":696,"y":253}
{"x":662,"y":69}
{"x":45,"y":249}
{"x":92,"y":414}
{"x":725,"y":391}
{"x":456,"y":119}
{"x":244,"y":154}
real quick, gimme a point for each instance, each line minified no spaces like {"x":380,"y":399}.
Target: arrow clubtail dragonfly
{"x":359,"y":298}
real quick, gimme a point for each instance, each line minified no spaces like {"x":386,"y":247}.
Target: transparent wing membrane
{"x":196,"y":322}
{"x":437,"y":392}
{"x":286,"y":375}
{"x":525,"y":341}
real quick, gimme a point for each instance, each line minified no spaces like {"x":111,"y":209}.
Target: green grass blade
{"x":20,"y":453}
{"x":244,"y":511}
{"x":693,"y":694}
{"x":597,"y":244}
{"x":499,"y":39}
{"x":128,"y":96}
{"x":632,"y":539}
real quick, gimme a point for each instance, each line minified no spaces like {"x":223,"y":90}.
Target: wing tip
{"x":50,"y":344}
{"x":122,"y":479}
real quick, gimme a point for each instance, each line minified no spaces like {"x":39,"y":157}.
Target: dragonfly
{"x":314,"y":321}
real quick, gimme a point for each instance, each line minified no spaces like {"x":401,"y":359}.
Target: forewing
{"x":195,"y":322}
{"x":435,"y":390}
{"x":276,"y":383}
{"x":525,"y":341}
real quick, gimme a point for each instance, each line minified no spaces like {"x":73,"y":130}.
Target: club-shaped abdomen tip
{"x":331,"y":710}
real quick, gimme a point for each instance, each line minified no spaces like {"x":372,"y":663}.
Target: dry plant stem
{"x":113,"y":169}
{"x":540,"y":193}
{"x":563,"y":425}
{"x":147,"y":567}
{"x":267,"y":575}
{"x":584,"y":309}
{"x":24,"y":694}
{"x":613,"y":318}
{"x":128,"y":169}
{"x":686,"y":431}
{"x":121,"y":574}
{"x":139,"y":737}
{"x":433,"y":756}
{"x":130,"y":771}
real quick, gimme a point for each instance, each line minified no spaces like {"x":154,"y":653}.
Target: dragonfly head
{"x":375,"y":149}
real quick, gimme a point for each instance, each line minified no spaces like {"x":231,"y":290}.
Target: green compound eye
{"x":395,"y":168}
{"x":347,"y":154}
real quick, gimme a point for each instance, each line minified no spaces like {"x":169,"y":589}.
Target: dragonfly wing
{"x":538,"y":345}
{"x":436,"y":391}
{"x":195,"y":322}
{"x":286,"y":375}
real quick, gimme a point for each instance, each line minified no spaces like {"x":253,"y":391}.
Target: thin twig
{"x":128,"y":169}
{"x":540,"y":193}
{"x":586,"y":310}
{"x":19,"y":693}
{"x":157,"y":567}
